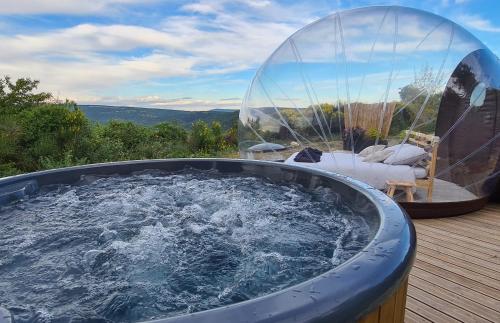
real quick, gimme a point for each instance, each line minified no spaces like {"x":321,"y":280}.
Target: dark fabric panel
{"x":474,"y":128}
{"x":493,"y":184}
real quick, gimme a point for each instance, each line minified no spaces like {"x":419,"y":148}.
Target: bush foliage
{"x":37,"y":134}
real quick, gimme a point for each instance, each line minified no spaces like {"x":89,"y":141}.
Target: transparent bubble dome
{"x":382,"y":75}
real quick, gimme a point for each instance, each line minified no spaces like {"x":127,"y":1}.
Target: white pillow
{"x":396,"y":147}
{"x":370,"y":150}
{"x":378,"y":156}
{"x":407,"y":155}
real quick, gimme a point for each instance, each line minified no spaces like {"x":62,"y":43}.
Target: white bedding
{"x":375,"y":174}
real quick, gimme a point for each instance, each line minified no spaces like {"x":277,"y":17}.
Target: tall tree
{"x":19,"y":95}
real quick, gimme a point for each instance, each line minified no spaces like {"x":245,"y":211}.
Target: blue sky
{"x":174,"y":54}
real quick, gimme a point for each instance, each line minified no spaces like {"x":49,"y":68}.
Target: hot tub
{"x":371,"y":284}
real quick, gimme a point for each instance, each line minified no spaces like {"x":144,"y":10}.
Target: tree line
{"x":37,"y":132}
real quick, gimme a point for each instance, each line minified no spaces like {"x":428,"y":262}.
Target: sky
{"x":192,"y":55}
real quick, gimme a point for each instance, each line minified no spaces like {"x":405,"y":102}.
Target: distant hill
{"x":150,"y":117}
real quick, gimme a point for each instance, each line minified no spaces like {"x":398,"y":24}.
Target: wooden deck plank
{"x":465,"y":242}
{"x":448,"y":226}
{"x":475,"y":223}
{"x":488,"y":215}
{"x":490,"y":209}
{"x":483,"y":220}
{"x":443,"y":305}
{"x":485,"y":263}
{"x":486,"y":246}
{"x":461,"y":262}
{"x":464,"y":281}
{"x":428,"y":312}
{"x":412,"y":317}
{"x":456,"y":288}
{"x":456,"y":275}
{"x":456,"y":299}
{"x":457,"y":269}
{"x":457,"y":223}
{"x":450,"y":241}
{"x":453,"y":247}
{"x":472,"y":225}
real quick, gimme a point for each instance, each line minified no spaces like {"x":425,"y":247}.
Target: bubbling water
{"x":153,"y":245}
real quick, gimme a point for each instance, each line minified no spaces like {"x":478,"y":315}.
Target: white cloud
{"x":158,"y":102}
{"x":261,"y":10}
{"x":88,"y":58}
{"x":72,"y":7}
{"x":203,"y":8}
{"x":77,"y":80}
{"x":209,"y":37}
{"x":86,"y":39}
{"x":478,"y":23}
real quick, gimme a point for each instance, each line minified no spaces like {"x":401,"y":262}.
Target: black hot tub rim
{"x":342,"y":294}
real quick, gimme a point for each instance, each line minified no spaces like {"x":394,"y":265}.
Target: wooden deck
{"x":456,"y":276}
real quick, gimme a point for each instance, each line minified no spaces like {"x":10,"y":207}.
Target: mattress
{"x":375,"y":174}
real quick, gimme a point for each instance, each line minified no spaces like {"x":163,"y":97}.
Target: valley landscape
{"x":152,"y":116}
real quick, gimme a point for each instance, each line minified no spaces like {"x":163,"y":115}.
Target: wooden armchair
{"x":431,"y":142}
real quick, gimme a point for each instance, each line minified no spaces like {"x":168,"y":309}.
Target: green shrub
{"x":106,"y":149}
{"x":9,"y":169}
{"x":10,"y":133}
{"x":66,"y":160}
{"x":49,"y":132}
{"x":201,"y":137}
{"x":128,"y":133}
{"x":36,"y":135}
{"x":170,"y":132}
